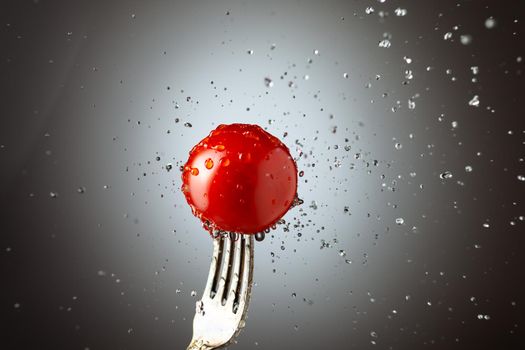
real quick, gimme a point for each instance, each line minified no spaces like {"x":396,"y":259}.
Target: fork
{"x":221,"y":313}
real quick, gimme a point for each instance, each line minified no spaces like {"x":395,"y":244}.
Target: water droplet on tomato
{"x":194,"y":171}
{"x":225,"y":162}
{"x":208,"y":163}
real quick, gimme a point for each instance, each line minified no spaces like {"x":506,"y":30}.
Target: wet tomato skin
{"x":240,"y":179}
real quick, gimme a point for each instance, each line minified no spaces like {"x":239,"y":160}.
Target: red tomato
{"x":240,"y":179}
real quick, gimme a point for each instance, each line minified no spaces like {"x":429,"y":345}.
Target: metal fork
{"x":220,"y":314}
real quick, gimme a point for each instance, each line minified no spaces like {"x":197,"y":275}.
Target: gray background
{"x":90,"y":93}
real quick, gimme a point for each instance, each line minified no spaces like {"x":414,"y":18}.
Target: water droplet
{"x":486,"y":225}
{"x":259,"y":236}
{"x":408,"y":60}
{"x":400,"y":12}
{"x":316,"y":52}
{"x":301,"y":173}
{"x":306,"y":77}
{"x":445,"y":175}
{"x":188,"y":125}
{"x":490,"y":23}
{"x":521,"y":177}
{"x":466,"y":39}
{"x":53,"y":194}
{"x":169,"y":166}
{"x":268,"y":82}
{"x":297,"y":201}
{"x":81,"y":190}
{"x":474,"y":101}
{"x":346,"y":76}
{"x":369,"y":10}
{"x":250,"y":52}
{"x":448,"y":35}
{"x":468,"y":169}
{"x":208,"y":163}
{"x":193,"y":293}
{"x":454,"y":124}
{"x":385,"y":43}
{"x":225,"y":162}
{"x":400,"y":221}
{"x":342,"y":253}
{"x":398,"y":146}
{"x":194,"y":171}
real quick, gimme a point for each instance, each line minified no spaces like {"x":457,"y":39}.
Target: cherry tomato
{"x":240,"y":179}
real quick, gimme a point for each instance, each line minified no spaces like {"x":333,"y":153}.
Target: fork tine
{"x":225,"y":268}
{"x":245,"y":286}
{"x":213,"y":267}
{"x":235,"y":272}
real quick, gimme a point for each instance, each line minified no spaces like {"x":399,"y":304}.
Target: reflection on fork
{"x":221,"y":313}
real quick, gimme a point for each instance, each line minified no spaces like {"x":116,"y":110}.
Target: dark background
{"x":99,"y":250}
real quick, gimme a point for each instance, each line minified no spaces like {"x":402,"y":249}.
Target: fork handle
{"x":198,"y":345}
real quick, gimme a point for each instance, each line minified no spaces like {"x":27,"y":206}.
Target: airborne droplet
{"x":385,"y":43}
{"x":490,"y":23}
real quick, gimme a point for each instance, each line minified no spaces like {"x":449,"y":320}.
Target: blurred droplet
{"x":490,"y":23}
{"x":466,"y":39}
